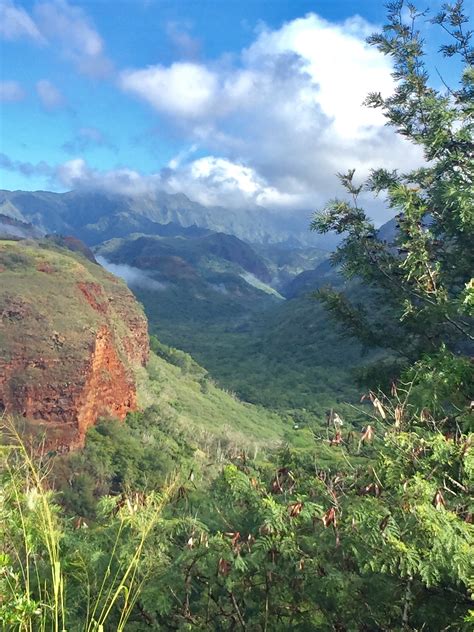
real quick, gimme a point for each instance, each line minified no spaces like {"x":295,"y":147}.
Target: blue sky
{"x":234,"y":103}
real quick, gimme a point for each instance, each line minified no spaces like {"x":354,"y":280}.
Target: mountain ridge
{"x":95,"y":216}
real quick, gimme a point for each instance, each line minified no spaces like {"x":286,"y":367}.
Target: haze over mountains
{"x":96,"y":216}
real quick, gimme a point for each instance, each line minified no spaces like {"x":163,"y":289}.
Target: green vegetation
{"x":290,"y":357}
{"x":53,"y":576}
{"x":213,"y":303}
{"x":204,"y":513}
{"x":37,"y":274}
{"x":187,"y":425}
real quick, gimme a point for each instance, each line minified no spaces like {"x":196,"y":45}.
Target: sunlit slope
{"x":187,"y":394}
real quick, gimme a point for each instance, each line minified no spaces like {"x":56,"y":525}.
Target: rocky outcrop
{"x":71,"y":338}
{"x":108,"y":389}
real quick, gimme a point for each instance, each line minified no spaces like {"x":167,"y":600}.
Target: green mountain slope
{"x":95,"y":216}
{"x":175,"y":384}
{"x":205,"y":280}
{"x":150,"y":252}
{"x":278,"y":354}
{"x":289,"y":356}
{"x":55,"y":307}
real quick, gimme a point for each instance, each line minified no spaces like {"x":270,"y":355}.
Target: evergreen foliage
{"x":361,"y":524}
{"x":424,"y":278}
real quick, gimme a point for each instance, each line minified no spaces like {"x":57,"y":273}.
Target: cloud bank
{"x":133,"y":277}
{"x":278,"y":124}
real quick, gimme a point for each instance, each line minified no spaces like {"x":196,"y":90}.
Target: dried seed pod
{"x":223,"y":567}
{"x":295,"y":509}
{"x":438,"y":500}
{"x":368,"y":434}
{"x":329,"y":517}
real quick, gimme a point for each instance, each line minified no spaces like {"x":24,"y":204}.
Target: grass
{"x":46,"y":585}
{"x":202,"y":406}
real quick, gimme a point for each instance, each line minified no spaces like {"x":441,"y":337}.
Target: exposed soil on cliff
{"x":71,"y":335}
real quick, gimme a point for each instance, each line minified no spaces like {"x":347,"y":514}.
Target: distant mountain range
{"x":208,"y":290}
{"x":155,"y":253}
{"x":95,"y":217}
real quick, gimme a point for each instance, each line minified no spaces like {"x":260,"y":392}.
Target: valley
{"x":236,"y":317}
{"x":223,"y":377}
{"x":225,"y":302}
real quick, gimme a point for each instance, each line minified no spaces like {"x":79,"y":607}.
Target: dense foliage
{"x":354,"y":524}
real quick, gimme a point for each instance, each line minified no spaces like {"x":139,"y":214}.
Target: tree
{"x":423,"y":294}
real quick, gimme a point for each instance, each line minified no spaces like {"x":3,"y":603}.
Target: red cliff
{"x":71,"y":338}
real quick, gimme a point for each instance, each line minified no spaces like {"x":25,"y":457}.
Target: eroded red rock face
{"x":68,"y":350}
{"x":135,"y":338}
{"x":103,"y":387}
{"x":108,"y":390}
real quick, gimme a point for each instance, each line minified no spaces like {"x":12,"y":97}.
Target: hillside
{"x":73,"y":340}
{"x":150,"y":252}
{"x":210,"y":296}
{"x":215,"y":278}
{"x":312,"y":280}
{"x":71,"y":336}
{"x":11,"y":228}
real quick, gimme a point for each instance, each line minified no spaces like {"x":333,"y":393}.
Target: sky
{"x":237,"y":103}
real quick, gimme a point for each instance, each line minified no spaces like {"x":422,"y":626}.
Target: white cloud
{"x":280,"y":122}
{"x":210,"y":180}
{"x":216,"y":181}
{"x":182,"y":156}
{"x":341,"y":67}
{"x":69,"y":28}
{"x":11,"y":92}
{"x":15,"y":23}
{"x":183,"y":89}
{"x":76,"y":174}
{"x":133,"y":277}
{"x":51,"y":98}
{"x":62,"y":25}
{"x":308,"y":63}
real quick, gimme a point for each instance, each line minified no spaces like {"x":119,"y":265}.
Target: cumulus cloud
{"x":215,"y":181}
{"x":208,"y":180}
{"x":76,"y":174}
{"x":183,"y":89}
{"x":15,"y":23}
{"x":51,"y":98}
{"x":278,"y":124}
{"x":11,"y":92}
